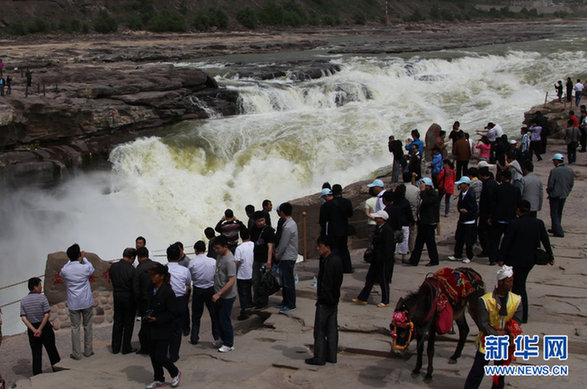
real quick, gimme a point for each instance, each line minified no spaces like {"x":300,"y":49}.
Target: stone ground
{"x":271,"y":348}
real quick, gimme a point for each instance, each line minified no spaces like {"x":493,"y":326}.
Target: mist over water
{"x":291,"y":137}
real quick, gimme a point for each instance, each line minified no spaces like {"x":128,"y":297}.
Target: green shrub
{"x":105,"y":23}
{"x":135,"y":23}
{"x":293,"y":14}
{"x":445,"y":14}
{"x":167,"y":21}
{"x":85,"y":28}
{"x":38,"y":26}
{"x":416,"y":16}
{"x":271,"y":14}
{"x":205,"y":19}
{"x":16,"y":28}
{"x":69,"y":26}
{"x":359,"y":18}
{"x":247,"y":17}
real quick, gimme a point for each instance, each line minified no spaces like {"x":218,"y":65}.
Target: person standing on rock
{"x":263,"y":236}
{"x":145,"y":290}
{"x":560,"y":184}
{"x":160,"y":318}
{"x":202,"y":269}
{"x":396,"y":149}
{"x":487,"y":204}
{"x":377,"y":188}
{"x":558,"y":87}
{"x":531,"y":188}
{"x":578,"y":88}
{"x":184,"y":261}
{"x":572,"y":135}
{"x":244,"y":257}
{"x":428,"y":217}
{"x":286,"y":253}
{"x":125,"y":291}
{"x":80,"y":301}
{"x":569,"y":86}
{"x":330,"y":275}
{"x":518,"y":249}
{"x":543,"y":123}
{"x":181,"y":279}
{"x":34,"y":312}
{"x":224,"y":292}
{"x":229,"y":226}
{"x":535,"y":140}
{"x":334,"y":223}
{"x":267,"y":208}
{"x":462,"y":153}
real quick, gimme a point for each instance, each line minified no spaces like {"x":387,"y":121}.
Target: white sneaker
{"x":453,"y":258}
{"x":466,"y":260}
{"x":225,"y":349}
{"x":156,"y":384}
{"x":217,"y":343}
{"x":175,"y":380}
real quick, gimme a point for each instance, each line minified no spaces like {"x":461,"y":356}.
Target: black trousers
{"x":462,"y":167}
{"x":259,"y":300}
{"x":326,"y":333}
{"x":583,"y":139}
{"x":477,"y":373}
{"x":175,"y":339}
{"x":376,"y":274}
{"x":340,"y":245}
{"x":425,"y":235}
{"x":201,"y":297}
{"x":186,"y":318}
{"x":46,"y":339}
{"x":519,"y":287}
{"x":572,"y":151}
{"x":245,"y":297}
{"x":123,"y":323}
{"x":465,"y":235}
{"x":159,"y":359}
{"x":536,"y":148}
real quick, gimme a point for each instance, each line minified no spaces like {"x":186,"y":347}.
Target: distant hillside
{"x":104,"y":16}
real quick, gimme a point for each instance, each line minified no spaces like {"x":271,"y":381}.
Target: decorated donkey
{"x":442,"y":298}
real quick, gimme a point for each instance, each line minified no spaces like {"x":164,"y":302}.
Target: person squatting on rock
{"x":80,"y":301}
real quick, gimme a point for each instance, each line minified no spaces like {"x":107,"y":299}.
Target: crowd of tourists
{"x":497,"y":202}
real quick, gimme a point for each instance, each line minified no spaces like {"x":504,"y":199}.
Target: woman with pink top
{"x":484,"y":148}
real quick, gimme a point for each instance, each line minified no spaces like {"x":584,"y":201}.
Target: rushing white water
{"x":291,"y":137}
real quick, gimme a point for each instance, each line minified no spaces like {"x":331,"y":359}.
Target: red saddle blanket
{"x":453,"y":283}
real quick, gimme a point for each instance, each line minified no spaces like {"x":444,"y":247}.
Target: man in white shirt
{"x":180,"y":280}
{"x":578,"y":92}
{"x":202,"y":269}
{"x":244,"y":256}
{"x":378,"y":189}
{"x":80,"y":302}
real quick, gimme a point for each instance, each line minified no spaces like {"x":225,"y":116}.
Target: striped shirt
{"x":34,"y":306}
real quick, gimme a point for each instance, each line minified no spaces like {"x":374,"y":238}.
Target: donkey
{"x":416,"y":314}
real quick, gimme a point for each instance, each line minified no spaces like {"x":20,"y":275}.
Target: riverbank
{"x":91,"y":93}
{"x":270,"y":348}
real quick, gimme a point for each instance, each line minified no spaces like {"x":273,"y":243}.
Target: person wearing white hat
{"x":383,"y":249}
{"x":377,"y":188}
{"x":560,"y":184}
{"x":497,"y":311}
{"x":466,"y":226}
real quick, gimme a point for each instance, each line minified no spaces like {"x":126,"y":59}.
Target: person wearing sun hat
{"x":377,"y":188}
{"x":383,"y":248}
{"x":466,"y":226}
{"x":560,"y":184}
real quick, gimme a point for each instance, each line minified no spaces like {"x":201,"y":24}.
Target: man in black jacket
{"x":125,"y":291}
{"x":466,"y":226}
{"x":487,"y":204}
{"x":160,"y":317}
{"x":506,"y":202}
{"x":334,"y":220}
{"x":428,"y":216}
{"x":518,"y":249}
{"x":145,"y":290}
{"x":330,"y":277}
{"x":396,"y":148}
{"x":383,"y":249}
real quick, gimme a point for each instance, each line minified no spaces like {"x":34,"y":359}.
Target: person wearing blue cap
{"x":466,"y":226}
{"x":428,"y":217}
{"x":560,"y":184}
{"x":377,"y":189}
